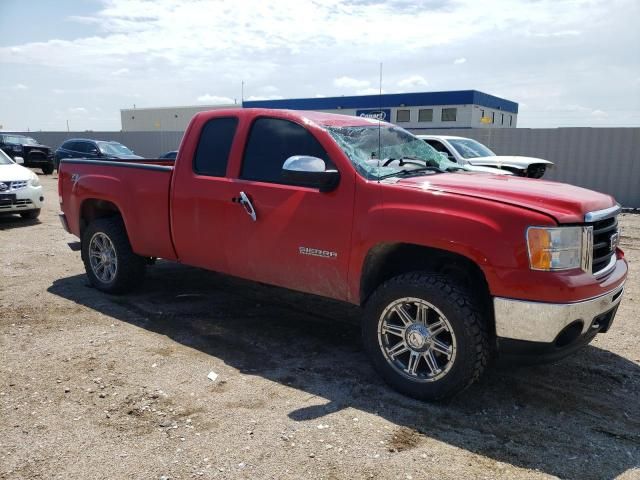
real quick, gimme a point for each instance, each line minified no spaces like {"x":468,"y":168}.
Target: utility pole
{"x":67,"y":126}
{"x":242,"y":94}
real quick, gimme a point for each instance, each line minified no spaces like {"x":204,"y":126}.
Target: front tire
{"x":47,"y":169}
{"x":111,"y":265}
{"x":425,"y":336}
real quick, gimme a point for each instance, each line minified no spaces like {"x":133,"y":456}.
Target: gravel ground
{"x":98,"y":386}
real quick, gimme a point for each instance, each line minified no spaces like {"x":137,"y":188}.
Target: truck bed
{"x":138,"y":188}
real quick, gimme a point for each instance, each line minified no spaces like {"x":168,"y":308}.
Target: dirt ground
{"x":97,"y":386}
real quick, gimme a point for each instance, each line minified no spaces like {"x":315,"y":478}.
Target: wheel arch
{"x":94,"y":208}
{"x":387,"y":260}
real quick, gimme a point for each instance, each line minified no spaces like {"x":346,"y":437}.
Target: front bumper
{"x":552,"y":330}
{"x":27,"y":198}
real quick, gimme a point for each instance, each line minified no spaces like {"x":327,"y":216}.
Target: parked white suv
{"x":20,"y":189}
{"x":469,"y":152}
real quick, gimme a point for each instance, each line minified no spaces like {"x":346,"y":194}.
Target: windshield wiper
{"x":414,"y":171}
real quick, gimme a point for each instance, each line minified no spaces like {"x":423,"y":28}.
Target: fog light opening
{"x":568,"y":334}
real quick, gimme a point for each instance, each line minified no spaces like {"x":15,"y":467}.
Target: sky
{"x":567,"y":63}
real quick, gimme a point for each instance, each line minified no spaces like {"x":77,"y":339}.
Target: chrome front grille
{"x":606,"y":237}
{"x":18,"y":184}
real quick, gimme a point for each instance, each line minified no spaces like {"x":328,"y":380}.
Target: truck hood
{"x":508,"y":161}
{"x":565,"y":203}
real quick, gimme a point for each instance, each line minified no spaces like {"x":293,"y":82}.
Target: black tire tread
{"x":131,"y":267}
{"x":470,"y":312}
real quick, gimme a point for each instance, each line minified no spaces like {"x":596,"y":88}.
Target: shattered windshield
{"x":385,"y":151}
{"x":470,"y":148}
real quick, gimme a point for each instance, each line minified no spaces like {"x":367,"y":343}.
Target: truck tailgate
{"x":140,"y":192}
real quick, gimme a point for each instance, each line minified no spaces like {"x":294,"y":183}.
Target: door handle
{"x":248,"y":206}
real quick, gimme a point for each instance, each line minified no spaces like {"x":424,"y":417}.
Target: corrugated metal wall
{"x":603,"y":159}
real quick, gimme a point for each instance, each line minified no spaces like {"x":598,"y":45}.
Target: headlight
{"x":560,"y":248}
{"x":34,"y":181}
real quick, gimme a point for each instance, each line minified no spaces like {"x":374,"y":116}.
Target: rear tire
{"x":30,"y":214}
{"x":437,"y":347}
{"x":111,"y":265}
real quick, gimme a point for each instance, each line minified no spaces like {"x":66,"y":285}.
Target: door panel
{"x":300,"y":238}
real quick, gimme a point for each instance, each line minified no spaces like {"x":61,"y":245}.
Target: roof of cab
{"x":319,"y":118}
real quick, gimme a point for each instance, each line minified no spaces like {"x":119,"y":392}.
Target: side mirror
{"x":311,"y":172}
{"x":19,"y":160}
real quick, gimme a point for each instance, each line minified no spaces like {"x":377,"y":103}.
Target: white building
{"x":414,"y":111}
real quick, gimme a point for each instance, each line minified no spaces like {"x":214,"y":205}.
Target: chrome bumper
{"x":542,"y":322}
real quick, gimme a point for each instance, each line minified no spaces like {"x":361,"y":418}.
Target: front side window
{"x":449,"y":114}
{"x":437,"y":145}
{"x":271,"y":141}
{"x":469,"y":148}
{"x":214,"y":146}
{"x":383,"y":151}
{"x":403,"y":116}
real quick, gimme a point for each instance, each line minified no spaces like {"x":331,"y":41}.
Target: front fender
{"x":490,"y":234}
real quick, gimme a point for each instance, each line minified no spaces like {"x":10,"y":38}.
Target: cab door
{"x":201,"y":194}
{"x":286,"y":234}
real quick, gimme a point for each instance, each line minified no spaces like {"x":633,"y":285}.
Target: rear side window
{"x":212,"y":154}
{"x":270,"y":143}
{"x":82,"y":147}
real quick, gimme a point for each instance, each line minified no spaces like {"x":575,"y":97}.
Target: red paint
{"x":182,"y":216}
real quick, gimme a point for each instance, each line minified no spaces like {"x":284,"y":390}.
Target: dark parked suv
{"x":27,"y":148}
{"x":95,"y":149}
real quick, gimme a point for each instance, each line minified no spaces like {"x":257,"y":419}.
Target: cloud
{"x":369,"y":91}
{"x":264,"y":97}
{"x":182,"y":50}
{"x":77,"y":110}
{"x":214,"y":99}
{"x":562,"y":33}
{"x":413,"y":81}
{"x":20,"y":86}
{"x":351,"y":83}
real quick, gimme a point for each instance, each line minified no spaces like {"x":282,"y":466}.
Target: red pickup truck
{"x":451,"y":266}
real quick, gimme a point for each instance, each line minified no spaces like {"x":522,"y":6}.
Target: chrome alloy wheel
{"x":103,"y":257}
{"x":416,"y":339}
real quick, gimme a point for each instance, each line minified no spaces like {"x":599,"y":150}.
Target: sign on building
{"x":383,"y":114}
